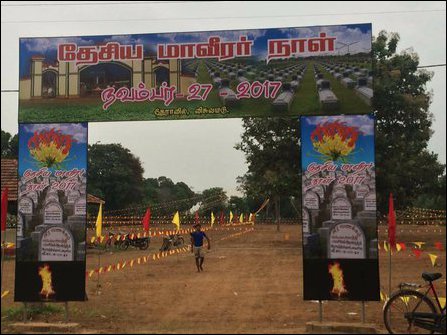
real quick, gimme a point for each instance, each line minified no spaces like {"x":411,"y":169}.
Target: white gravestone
{"x":53,"y":213}
{"x":311,"y":200}
{"x":361,"y":191}
{"x":33,"y":195}
{"x":20,"y":225}
{"x":56,"y":244}
{"x":26,"y":205}
{"x":80,"y":206}
{"x":369,"y":202}
{"x":320,"y":191}
{"x":73,"y":196}
{"x":341,"y":209}
{"x":339,"y":192}
{"x":52,"y":197}
{"x":306,"y":225}
{"x":346,"y":240}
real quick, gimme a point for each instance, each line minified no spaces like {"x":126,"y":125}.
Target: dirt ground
{"x":252,"y":283}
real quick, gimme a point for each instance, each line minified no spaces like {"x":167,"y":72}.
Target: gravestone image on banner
{"x":50,"y":244}
{"x":195,"y":75}
{"x":342,"y":241}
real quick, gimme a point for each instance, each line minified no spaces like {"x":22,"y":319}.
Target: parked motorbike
{"x":141,"y":243}
{"x":172,"y":241}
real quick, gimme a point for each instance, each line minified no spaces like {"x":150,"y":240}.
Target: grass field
{"x":252,"y":283}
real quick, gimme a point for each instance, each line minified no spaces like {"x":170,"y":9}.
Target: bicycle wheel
{"x":406,"y":301}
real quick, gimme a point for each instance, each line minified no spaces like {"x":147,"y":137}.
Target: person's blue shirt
{"x":198,"y":238}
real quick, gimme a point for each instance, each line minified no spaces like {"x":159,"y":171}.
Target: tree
{"x":272,"y":151}
{"x":115,"y":174}
{"x":404,"y":166}
{"x":171,"y":196}
{"x":213,"y":200}
{"x":10,"y":145}
{"x":401,"y":102}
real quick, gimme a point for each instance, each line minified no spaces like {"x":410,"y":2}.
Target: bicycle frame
{"x":426,"y":320}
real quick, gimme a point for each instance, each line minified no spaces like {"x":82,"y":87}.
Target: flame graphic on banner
{"x":336,"y":272}
{"x":47,"y":281}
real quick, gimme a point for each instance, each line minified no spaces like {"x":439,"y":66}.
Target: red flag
{"x":417,"y":253}
{"x":221,"y":220}
{"x":438,"y":245}
{"x":196,"y":218}
{"x":147,"y":219}
{"x":391,"y":222}
{"x":4,"y":208}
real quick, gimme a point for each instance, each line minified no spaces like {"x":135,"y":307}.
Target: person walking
{"x":197,"y":245}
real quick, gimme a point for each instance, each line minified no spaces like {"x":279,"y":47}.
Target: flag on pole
{"x":391,"y":222}
{"x":99,"y":222}
{"x":212,"y":219}
{"x":176,"y":220}
{"x":231,"y":217}
{"x":433,"y":259}
{"x":221,"y":220}
{"x":241,"y":218}
{"x":4,"y":208}
{"x":147,"y":219}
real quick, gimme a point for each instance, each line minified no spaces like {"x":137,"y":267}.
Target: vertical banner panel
{"x":52,"y":202}
{"x":340,"y":253}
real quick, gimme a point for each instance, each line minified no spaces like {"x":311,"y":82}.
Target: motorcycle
{"x":141,"y":243}
{"x":171,"y":241}
{"x":119,"y":244}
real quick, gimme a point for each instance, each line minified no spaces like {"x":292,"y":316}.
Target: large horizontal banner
{"x":215,"y":74}
{"x":340,"y":245}
{"x":51,"y":228}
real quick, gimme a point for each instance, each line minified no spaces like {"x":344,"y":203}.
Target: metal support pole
{"x":25,"y":312}
{"x":66,"y":311}
{"x":98,"y":283}
{"x":320,"y":303}
{"x":389,"y":271}
{"x":363,"y":312}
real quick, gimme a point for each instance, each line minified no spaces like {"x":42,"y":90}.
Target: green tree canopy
{"x":401,"y":102}
{"x":213,"y":200}
{"x":10,"y":145}
{"x":115,"y":174}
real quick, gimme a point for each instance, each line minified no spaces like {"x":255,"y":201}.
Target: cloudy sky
{"x":201,"y":152}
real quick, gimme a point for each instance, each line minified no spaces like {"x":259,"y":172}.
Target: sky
{"x":201,"y":152}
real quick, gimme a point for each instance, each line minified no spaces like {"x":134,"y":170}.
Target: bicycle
{"x":410,"y":311}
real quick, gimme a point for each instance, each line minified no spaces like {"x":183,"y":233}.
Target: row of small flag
{"x":138,"y":261}
{"x":416,"y":250}
{"x":132,"y":236}
{"x":154,"y":257}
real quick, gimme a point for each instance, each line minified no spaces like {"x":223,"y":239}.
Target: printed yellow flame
{"x":50,"y":148}
{"x":335,"y":141}
{"x":331,"y":146}
{"x":339,"y":288}
{"x":47,"y":285}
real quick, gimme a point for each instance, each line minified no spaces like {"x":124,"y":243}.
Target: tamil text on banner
{"x":196,"y":75}
{"x":340,"y":255}
{"x":51,"y":229}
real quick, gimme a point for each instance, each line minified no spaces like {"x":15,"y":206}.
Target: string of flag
{"x":154,"y":257}
{"x":416,"y":250}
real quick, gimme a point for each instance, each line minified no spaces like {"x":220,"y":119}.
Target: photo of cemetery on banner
{"x":52,"y":204}
{"x":339,"y":201}
{"x":196,"y":75}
